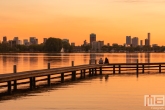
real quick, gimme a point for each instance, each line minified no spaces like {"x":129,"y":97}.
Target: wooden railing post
{"x":143,"y":68}
{"x":119,"y":69}
{"x":34,"y":82}
{"x":73,"y":75}
{"x":49,"y":77}
{"x":113,"y":69}
{"x":159,"y":68}
{"x":84,"y":71}
{"x":72,"y":63}
{"x":62,"y":77}
{"x":31,"y":83}
{"x":100,"y":70}
{"x":15,"y":81}
{"x":81,"y":73}
{"x":95,"y":71}
{"x":95,"y":61}
{"x":89,"y":72}
{"x":9,"y":87}
{"x":137,"y":68}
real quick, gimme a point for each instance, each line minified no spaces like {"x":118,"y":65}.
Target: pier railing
{"x":11,"y":82}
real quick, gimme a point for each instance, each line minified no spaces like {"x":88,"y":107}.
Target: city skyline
{"x":111,"y":20}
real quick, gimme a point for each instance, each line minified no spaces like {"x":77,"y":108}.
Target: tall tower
{"x":92,"y":38}
{"x":128,"y":40}
{"x":4,"y":39}
{"x":149,"y":39}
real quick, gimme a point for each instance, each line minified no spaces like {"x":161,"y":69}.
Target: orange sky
{"x":111,"y":20}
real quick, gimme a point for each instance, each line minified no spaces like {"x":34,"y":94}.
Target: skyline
{"x":110,"y":20}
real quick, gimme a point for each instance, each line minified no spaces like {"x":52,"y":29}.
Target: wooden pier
{"x":12,"y":81}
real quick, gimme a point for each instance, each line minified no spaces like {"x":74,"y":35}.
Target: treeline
{"x":120,"y":48}
{"x":51,"y":45}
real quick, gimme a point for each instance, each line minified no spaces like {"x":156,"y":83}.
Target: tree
{"x":66,"y":46}
{"x":53,"y":45}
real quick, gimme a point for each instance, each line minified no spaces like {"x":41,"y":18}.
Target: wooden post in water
{"x":137,"y":69}
{"x":72,"y":63}
{"x":62,"y":77}
{"x":100,"y":70}
{"x":73,"y":75}
{"x":143,"y":68}
{"x":15,"y":81}
{"x":81,"y":73}
{"x":95,"y":71}
{"x":84,"y":71}
{"x":89,"y":72}
{"x":34,"y":82}
{"x":49,"y":77}
{"x":31,"y":83}
{"x":9,"y":87}
{"x":159,"y":68}
{"x":113,"y":69}
{"x":119,"y":69}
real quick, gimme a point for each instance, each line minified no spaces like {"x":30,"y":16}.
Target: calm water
{"x":30,"y":61}
{"x":118,"y":92}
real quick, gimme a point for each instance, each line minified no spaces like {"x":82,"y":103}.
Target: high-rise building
{"x":128,"y":40}
{"x":149,"y":39}
{"x":33,"y":40}
{"x":135,"y":41}
{"x":141,"y":42}
{"x":4,"y":39}
{"x":146,"y":42}
{"x":92,"y":38}
{"x":97,"y":45}
{"x":16,"y":39}
{"x":25,"y":42}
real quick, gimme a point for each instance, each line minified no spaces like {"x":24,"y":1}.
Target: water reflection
{"x":142,"y":57}
{"x":34,"y":61}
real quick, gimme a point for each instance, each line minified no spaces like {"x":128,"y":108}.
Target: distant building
{"x":135,"y":42}
{"x":85,"y":42}
{"x":44,"y":40}
{"x":73,"y":44}
{"x":33,"y":41}
{"x":128,"y":40}
{"x":149,"y":35}
{"x":65,"y":40}
{"x":141,"y":42}
{"x":97,"y":45}
{"x":92,"y":38}
{"x":4,"y":39}
{"x":154,"y":45}
{"x":108,"y":44}
{"x":16,"y":39}
{"x":12,"y":43}
{"x":25,"y":42}
{"x":115,"y":44}
{"x":146,"y":42}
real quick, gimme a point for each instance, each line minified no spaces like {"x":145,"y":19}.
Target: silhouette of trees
{"x":53,"y":45}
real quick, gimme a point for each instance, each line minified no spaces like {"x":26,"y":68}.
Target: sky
{"x":110,"y":20}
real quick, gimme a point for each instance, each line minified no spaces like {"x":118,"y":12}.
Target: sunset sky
{"x":110,"y":20}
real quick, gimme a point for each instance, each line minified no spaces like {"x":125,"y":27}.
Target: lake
{"x":118,"y":92}
{"x":34,"y":61}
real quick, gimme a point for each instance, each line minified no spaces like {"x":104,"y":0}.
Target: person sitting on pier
{"x":101,"y":61}
{"x":106,"y":61}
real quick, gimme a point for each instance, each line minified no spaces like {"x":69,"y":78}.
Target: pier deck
{"x":11,"y":81}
